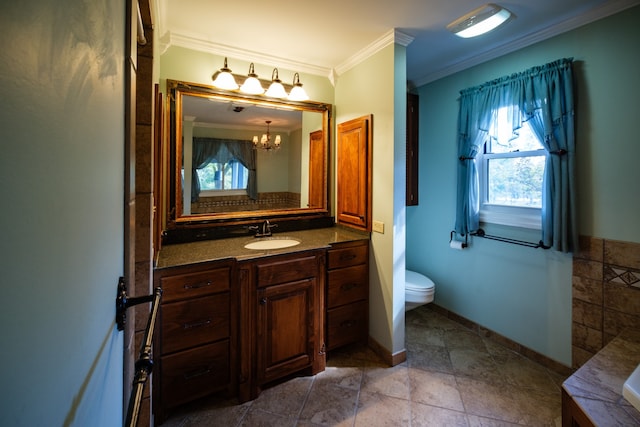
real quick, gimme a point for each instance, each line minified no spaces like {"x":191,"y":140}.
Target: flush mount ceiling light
{"x":265,"y":141}
{"x":480,"y":21}
{"x":224,"y":79}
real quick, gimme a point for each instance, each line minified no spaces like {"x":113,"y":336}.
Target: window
{"x":511,"y":171}
{"x":543,"y":98}
{"x":223,"y":176}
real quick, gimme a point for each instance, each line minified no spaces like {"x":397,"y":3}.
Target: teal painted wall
{"x":61,"y":186}
{"x":522,"y":293}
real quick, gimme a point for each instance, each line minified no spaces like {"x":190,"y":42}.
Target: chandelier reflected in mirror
{"x":265,"y":142}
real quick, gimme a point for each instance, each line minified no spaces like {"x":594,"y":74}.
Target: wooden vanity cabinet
{"x":195,"y":343}
{"x":282,"y":319}
{"x":347,"y":294}
{"x":354,"y":147}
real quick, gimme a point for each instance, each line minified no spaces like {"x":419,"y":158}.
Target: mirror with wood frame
{"x":235,"y":158}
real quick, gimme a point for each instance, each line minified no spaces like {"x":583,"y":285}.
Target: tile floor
{"x":452,"y":377}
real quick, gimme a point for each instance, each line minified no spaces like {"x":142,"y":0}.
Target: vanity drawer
{"x":192,"y":322}
{"x":194,"y":373}
{"x":347,"y":285}
{"x":347,"y":324}
{"x":286,"y":270}
{"x":195,"y":284}
{"x":345,"y":257}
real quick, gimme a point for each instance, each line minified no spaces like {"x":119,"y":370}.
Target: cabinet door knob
{"x":263,"y":301}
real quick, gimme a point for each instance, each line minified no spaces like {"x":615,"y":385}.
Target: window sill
{"x":521,"y":218}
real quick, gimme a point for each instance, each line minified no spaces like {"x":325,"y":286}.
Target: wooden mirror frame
{"x":175,"y":221}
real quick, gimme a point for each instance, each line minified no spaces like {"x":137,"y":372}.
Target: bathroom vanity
{"x":240,"y":313}
{"x":233,"y":320}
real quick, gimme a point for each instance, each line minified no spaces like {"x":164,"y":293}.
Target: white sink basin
{"x":631,"y":388}
{"x":272,"y":243}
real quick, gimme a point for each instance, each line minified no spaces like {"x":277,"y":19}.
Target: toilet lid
{"x":417,"y":281}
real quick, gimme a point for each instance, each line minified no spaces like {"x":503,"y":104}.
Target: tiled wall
{"x":276,"y":200}
{"x":606,"y":294}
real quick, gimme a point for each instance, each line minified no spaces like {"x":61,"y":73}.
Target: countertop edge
{"x":232,"y":248}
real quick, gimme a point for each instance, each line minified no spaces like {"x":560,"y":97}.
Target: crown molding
{"x":595,"y":14}
{"x":189,"y":42}
{"x":391,"y":36}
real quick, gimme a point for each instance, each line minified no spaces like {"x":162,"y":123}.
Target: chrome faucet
{"x":263,"y":230}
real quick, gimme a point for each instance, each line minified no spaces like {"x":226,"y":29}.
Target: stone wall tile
{"x":622,"y":254}
{"x":587,"y":314}
{"x":588,"y":290}
{"x":587,"y":269}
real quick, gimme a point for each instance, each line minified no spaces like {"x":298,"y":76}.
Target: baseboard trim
{"x":391,"y":359}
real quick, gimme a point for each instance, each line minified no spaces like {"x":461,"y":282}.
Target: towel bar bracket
{"x":123,"y":302}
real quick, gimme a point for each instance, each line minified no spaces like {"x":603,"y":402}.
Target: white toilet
{"x":419,"y":290}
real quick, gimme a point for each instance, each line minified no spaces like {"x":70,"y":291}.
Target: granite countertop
{"x":211,"y":250}
{"x":597,"y":386}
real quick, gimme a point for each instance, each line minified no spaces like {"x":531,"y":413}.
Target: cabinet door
{"x":285,"y":329}
{"x":317,"y":171}
{"x":354,"y":172}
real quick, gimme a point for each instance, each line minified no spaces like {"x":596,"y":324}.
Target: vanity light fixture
{"x":276,"y":90}
{"x":252,"y":85}
{"x":224,"y":79}
{"x":480,"y":21}
{"x":265,"y":141}
{"x":297,"y":92}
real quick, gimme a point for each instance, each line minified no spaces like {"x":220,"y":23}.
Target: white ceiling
{"x":326,"y":37}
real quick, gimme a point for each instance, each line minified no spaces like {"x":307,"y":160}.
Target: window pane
{"x":218,"y":176}
{"x":210,"y":177}
{"x":525,"y":141}
{"x":515,"y":181}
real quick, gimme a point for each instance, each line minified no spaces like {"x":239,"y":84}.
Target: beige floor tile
{"x":432,"y":416}
{"x":475,"y":421}
{"x":474,"y":364}
{"x":259,"y":418}
{"x":495,"y":401}
{"x":420,"y":334}
{"x":286,"y":399}
{"x":522,"y":372}
{"x":330,"y":405}
{"x":452,"y":377}
{"x":429,"y":357}
{"x":347,"y":377}
{"x":378,"y":410}
{"x":436,"y":389}
{"x":387,"y":381}
{"x":463,"y":339}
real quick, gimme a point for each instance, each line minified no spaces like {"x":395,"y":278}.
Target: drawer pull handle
{"x":347,"y":324}
{"x":348,"y":257}
{"x":348,"y":286}
{"x":195,"y":374}
{"x":198,"y":285}
{"x":196,"y":324}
